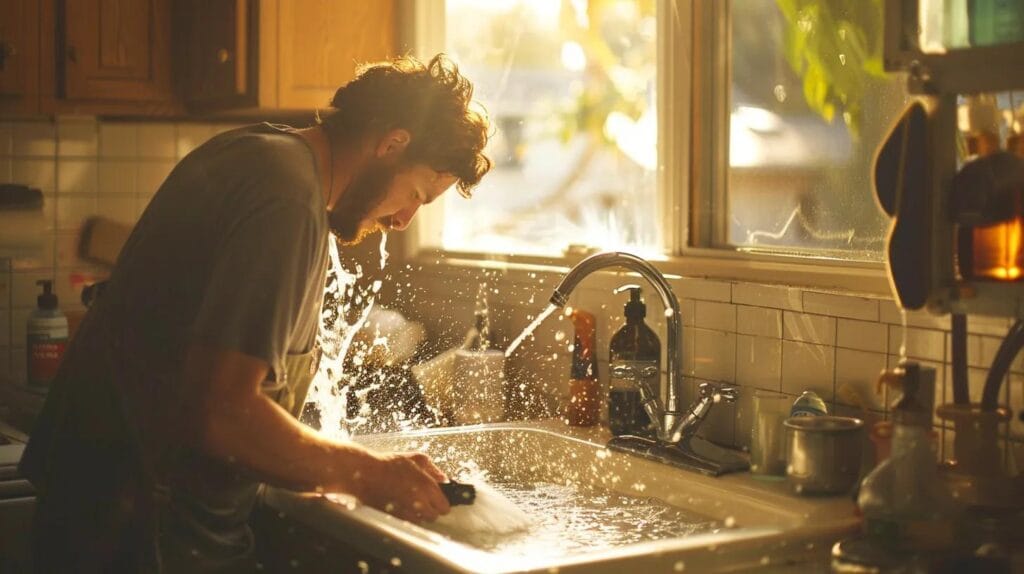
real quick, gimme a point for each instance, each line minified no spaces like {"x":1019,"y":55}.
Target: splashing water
{"x":566,"y":519}
{"x":529,"y":330}
{"x":334,"y":337}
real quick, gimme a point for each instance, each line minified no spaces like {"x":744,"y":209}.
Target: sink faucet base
{"x":692,"y":453}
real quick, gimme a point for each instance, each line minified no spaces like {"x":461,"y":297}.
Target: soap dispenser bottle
{"x":584,"y":406}
{"x":46,"y":337}
{"x":906,"y":505}
{"x":634,"y":357}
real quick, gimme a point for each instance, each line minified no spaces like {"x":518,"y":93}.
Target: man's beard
{"x":362,"y":196}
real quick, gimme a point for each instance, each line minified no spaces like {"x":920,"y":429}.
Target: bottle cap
{"x":635,"y":307}
{"x":47,"y":299}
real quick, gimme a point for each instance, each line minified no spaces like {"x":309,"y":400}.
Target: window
{"x":570,"y":88}
{"x":795,"y":103}
{"x":810,"y":104}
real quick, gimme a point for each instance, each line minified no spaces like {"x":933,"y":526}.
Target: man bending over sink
{"x":179,"y":394}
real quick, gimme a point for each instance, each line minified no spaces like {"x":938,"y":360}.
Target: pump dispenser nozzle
{"x":47,"y":299}
{"x":635,"y":307}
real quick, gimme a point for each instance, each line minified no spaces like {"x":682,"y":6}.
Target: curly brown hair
{"x":433,"y":102}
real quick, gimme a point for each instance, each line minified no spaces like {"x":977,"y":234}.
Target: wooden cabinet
{"x":276,"y":54}
{"x":319,"y":43}
{"x":106,"y":57}
{"x":166,"y":57}
{"x":19,"y":56}
{"x":214,"y":53}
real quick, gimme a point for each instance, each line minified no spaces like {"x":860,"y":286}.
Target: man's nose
{"x":403,"y":218}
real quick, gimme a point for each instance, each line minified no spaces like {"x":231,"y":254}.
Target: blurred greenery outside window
{"x":572,"y":89}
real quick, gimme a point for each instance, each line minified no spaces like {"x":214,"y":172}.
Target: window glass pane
{"x":570,"y":89}
{"x":810,"y":105}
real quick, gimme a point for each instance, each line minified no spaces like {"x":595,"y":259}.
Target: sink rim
{"x":428,"y":550}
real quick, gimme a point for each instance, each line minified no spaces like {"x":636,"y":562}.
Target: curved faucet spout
{"x":674,"y":414}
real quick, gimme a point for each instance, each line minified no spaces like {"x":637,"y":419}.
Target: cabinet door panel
{"x":321,"y":43}
{"x":19,"y":55}
{"x":214,"y":51}
{"x":115,"y":50}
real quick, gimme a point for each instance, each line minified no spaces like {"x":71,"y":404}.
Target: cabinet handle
{"x":223,"y":56}
{"x":72,"y":55}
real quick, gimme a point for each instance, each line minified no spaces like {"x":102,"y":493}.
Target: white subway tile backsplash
{"x":862,"y":335}
{"x":809,"y":328}
{"x":77,"y":137}
{"x":808,"y":367}
{"x":992,"y":326}
{"x":841,"y":306}
{"x":774,"y":296}
{"x":72,"y":211}
{"x":19,"y":328}
{"x":117,"y":207}
{"x":857,"y":373}
{"x":759,"y":362}
{"x":921,"y":343}
{"x":150,"y":176}
{"x":75,"y":176}
{"x":34,"y":139}
{"x":702,"y":289}
{"x":714,"y":355}
{"x":37,"y":173}
{"x":118,"y":177}
{"x":889,"y":312}
{"x":687,"y":308}
{"x":119,"y":140}
{"x":24,"y":289}
{"x":760,"y":321}
{"x":718,"y":316}
{"x":191,"y":136}
{"x":156,"y":140}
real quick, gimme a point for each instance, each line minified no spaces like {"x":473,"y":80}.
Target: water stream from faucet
{"x":529,"y":330}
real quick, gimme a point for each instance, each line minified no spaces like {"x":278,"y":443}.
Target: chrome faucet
{"x":676,"y":441}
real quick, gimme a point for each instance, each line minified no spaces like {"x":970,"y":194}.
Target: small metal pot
{"x":824,"y":453}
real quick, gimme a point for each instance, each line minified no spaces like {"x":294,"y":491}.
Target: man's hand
{"x":403,"y":484}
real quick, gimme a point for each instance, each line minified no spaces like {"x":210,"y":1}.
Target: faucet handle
{"x":709,"y":391}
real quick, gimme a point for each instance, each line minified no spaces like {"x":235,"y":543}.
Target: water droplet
{"x":669,"y":312}
{"x":679,"y":566}
{"x":396,"y":562}
{"x":842,"y":59}
{"x":364,"y":568}
{"x":765,"y":560}
{"x":559,"y":335}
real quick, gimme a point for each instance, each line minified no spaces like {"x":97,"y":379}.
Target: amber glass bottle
{"x":584,"y":406}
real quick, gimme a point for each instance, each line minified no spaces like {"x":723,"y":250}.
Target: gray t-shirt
{"x":231,"y":253}
{"x":232,"y":250}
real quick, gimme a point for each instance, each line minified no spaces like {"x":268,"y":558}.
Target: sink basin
{"x":643,"y":516}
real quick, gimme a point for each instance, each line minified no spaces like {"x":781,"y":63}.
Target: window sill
{"x":845,"y":277}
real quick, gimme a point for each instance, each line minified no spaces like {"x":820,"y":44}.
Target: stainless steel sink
{"x":740,"y":522}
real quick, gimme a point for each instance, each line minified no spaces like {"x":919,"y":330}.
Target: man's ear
{"x":393,"y":143}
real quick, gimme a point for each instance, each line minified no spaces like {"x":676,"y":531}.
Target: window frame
{"x":694,"y":88}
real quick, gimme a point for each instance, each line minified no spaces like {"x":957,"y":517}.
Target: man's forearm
{"x":256,"y":433}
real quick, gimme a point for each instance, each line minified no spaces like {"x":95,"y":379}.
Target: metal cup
{"x":824,"y":453}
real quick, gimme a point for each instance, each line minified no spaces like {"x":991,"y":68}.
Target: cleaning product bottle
{"x":808,"y":404}
{"x":906,"y":505}
{"x":584,"y":406}
{"x":46,"y":337}
{"x":634,"y":358}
